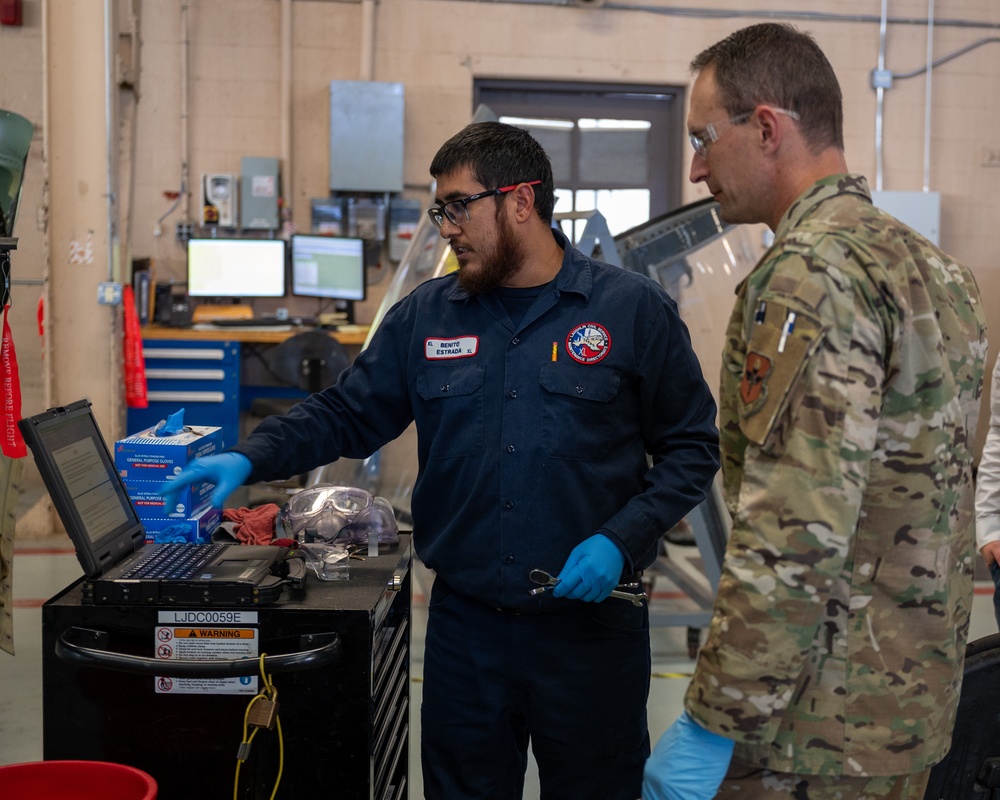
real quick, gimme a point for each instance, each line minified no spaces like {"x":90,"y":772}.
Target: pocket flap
{"x":450,"y":381}
{"x":576,"y":380}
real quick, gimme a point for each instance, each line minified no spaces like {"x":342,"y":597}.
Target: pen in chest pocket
{"x":786,"y":329}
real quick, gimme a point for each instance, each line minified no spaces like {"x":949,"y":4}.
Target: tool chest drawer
{"x":203,"y":378}
{"x":390,"y":705}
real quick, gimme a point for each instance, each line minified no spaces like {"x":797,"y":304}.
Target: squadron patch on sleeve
{"x":588,"y":343}
{"x":436,"y":348}
{"x":753,"y":386}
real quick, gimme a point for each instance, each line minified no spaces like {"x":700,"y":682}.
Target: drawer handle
{"x":83,"y":646}
{"x":185,"y":374}
{"x":186,"y":397}
{"x":182,"y":354}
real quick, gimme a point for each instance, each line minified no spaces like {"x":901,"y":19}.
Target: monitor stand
{"x":342,"y":314}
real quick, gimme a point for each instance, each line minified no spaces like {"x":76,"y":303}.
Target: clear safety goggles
{"x":338,"y":514}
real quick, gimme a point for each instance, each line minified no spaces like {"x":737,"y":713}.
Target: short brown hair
{"x":778,"y":65}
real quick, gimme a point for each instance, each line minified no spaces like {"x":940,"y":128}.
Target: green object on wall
{"x":15,"y":139}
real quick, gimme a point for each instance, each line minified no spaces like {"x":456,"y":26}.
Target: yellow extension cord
{"x":268,"y":692}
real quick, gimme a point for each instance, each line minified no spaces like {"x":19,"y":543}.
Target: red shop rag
{"x":253,"y":525}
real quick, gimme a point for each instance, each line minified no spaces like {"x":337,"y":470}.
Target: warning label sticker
{"x":189,"y":643}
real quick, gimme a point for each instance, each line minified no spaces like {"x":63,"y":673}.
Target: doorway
{"x":616,"y":148}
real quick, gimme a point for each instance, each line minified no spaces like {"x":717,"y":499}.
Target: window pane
{"x":586,"y":200}
{"x":564,"y":201}
{"x":554,"y":135}
{"x":614,"y":152}
{"x":564,"y":204}
{"x":614,"y":136}
{"x":623,"y":208}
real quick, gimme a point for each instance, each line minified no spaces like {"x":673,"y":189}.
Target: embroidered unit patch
{"x":588,"y":343}
{"x":753,"y":386}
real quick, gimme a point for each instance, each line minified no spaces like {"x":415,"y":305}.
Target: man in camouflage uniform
{"x":988,"y":494}
{"x":851,"y":382}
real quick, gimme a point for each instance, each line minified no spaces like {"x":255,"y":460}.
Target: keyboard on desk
{"x":259,"y":322}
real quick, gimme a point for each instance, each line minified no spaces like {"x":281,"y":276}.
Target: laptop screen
{"x":78,"y":472}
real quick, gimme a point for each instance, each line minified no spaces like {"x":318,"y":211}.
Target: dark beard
{"x":504,"y":262}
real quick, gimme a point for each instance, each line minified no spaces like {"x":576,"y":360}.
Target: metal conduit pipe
{"x":286,"y":108}
{"x":109,"y":143}
{"x":880,"y":96}
{"x":927,"y":96}
{"x":367,"y":40}
{"x":701,"y":13}
{"x":184,"y":197}
{"x":937,"y":62}
{"x":111,"y":187}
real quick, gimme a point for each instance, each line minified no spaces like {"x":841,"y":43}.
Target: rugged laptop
{"x":120,"y":568}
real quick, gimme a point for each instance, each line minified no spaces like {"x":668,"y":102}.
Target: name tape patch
{"x":457,"y":347}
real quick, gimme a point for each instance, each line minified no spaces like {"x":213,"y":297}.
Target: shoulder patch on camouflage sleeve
{"x":753,"y":385}
{"x":780,"y":346}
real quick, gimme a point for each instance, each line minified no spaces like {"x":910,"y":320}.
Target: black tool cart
{"x":338,"y":656}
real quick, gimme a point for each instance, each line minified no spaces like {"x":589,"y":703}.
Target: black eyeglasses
{"x":457,"y":211}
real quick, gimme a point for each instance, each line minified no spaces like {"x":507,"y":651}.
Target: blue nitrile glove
{"x":172,"y":425}
{"x":592,"y":570}
{"x":688,"y":763}
{"x":228,"y":471}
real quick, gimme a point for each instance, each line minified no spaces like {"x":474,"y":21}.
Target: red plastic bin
{"x":75,"y":780}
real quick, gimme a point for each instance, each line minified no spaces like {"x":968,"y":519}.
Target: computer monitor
{"x":328,"y":266}
{"x":236,"y":268}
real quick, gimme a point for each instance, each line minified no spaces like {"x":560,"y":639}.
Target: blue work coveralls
{"x":531,"y":437}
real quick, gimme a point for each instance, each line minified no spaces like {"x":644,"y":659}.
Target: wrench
{"x":547,"y":581}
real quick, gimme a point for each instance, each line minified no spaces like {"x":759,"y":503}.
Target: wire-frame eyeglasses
{"x":701,"y":140}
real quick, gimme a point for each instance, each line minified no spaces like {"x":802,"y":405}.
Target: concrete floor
{"x":43,"y":567}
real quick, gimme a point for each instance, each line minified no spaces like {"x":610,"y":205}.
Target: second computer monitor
{"x":328,"y":266}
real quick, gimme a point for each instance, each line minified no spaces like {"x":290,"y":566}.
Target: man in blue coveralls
{"x":539,"y":380}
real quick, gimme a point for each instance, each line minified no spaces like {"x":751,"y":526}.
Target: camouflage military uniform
{"x":850,"y":392}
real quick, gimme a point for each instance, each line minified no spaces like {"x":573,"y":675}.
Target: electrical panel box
{"x":259,"y":193}
{"x":920,"y":210}
{"x":219,"y":200}
{"x":366,"y":218}
{"x":327,"y":215}
{"x":366,"y":136}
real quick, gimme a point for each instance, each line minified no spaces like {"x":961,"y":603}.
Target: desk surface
{"x":347,"y":334}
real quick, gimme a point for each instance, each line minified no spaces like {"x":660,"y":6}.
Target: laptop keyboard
{"x":175,"y":561}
